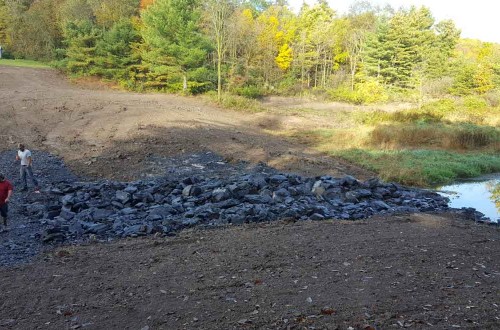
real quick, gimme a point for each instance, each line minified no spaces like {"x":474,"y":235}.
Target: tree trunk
{"x":219,"y":72}
{"x":353,"y":72}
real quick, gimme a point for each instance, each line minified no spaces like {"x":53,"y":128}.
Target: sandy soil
{"x":417,"y":271}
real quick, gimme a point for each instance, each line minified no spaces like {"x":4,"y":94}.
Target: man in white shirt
{"x":24,"y":155}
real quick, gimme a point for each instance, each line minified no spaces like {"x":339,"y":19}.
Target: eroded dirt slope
{"x":115,"y":132}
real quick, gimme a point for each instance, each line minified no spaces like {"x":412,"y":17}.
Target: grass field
{"x":438,"y":143}
{"x":23,"y":63}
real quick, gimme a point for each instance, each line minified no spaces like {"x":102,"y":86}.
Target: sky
{"x":477,"y":19}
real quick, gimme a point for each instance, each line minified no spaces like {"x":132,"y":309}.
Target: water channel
{"x":481,"y":193}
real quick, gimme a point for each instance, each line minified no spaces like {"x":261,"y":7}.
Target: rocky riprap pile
{"x":115,"y":209}
{"x":190,"y":190}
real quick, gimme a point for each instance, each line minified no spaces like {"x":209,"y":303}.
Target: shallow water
{"x":481,"y":193}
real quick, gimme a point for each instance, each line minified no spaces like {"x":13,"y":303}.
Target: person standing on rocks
{"x":5,"y":193}
{"x":24,"y":155}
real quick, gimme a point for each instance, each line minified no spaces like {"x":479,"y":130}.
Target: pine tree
{"x":174,"y":46}
{"x":399,"y":47}
{"x":114,"y":55}
{"x":81,"y":38}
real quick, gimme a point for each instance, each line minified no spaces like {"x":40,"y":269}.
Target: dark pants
{"x":27,"y":171}
{"x":4,"y":209}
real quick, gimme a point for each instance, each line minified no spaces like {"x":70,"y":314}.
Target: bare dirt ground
{"x":417,"y":271}
{"x":104,"y":133}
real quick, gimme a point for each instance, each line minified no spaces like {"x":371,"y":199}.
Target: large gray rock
{"x":68,"y":200}
{"x":102,"y":214}
{"x":67,"y":214}
{"x":122,"y":196}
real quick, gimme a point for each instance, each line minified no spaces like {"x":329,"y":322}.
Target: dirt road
{"x":415,"y":271}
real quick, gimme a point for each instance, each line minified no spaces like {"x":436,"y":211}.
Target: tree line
{"x":252,"y":47}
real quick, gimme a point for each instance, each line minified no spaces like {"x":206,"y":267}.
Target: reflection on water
{"x":483,"y":194}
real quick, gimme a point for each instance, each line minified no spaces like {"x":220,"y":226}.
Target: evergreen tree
{"x":174,"y":46}
{"x":399,"y":46}
{"x":442,"y":50}
{"x":114,"y":55}
{"x":81,"y":38}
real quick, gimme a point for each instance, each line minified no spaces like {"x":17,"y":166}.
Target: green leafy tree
{"x":218,"y":14}
{"x":30,"y":28}
{"x":354,"y":39}
{"x":272,"y":30}
{"x":474,"y":71}
{"x":285,"y":57}
{"x":75,"y":11}
{"x":241,"y":47}
{"x":315,"y":44}
{"x":4,"y":24}
{"x":109,"y":12}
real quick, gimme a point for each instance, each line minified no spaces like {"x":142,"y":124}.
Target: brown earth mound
{"x":110,"y":134}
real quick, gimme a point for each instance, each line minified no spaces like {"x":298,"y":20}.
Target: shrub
{"x":398,"y":94}
{"x":371,"y":91}
{"x":367,"y":92}
{"x":441,"y":107}
{"x":437,"y":87}
{"x":289,"y":86}
{"x":493,"y":98}
{"x":474,"y":103}
{"x":251,"y":92}
{"x":473,"y":137}
{"x":193,"y":87}
{"x":236,"y":102}
{"x":405,"y":116}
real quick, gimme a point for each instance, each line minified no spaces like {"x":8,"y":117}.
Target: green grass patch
{"x":396,"y":136}
{"x":413,"y":154}
{"x":429,"y":113}
{"x":236,"y":102}
{"x":472,"y":109}
{"x":24,"y":63}
{"x":422,"y":167}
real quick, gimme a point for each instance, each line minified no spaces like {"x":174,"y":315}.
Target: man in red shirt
{"x":5,"y":193}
